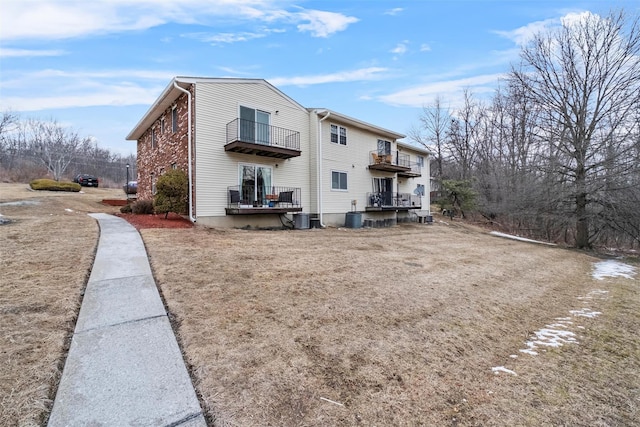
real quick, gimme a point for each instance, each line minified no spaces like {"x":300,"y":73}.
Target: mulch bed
{"x":156,"y":221}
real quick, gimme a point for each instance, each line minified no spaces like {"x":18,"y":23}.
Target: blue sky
{"x":98,"y":65}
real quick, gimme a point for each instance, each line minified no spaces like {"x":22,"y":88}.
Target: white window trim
{"x":343,"y":190}
{"x":346,"y":142}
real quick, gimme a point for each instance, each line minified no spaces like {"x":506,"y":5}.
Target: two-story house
{"x":254,"y":156}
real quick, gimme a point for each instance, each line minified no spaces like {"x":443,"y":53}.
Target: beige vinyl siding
{"x":218,"y":104}
{"x":408,"y":185}
{"x":353,"y":159}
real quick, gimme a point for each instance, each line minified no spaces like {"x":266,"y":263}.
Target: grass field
{"x":411,"y":325}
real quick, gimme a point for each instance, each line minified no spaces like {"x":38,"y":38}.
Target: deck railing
{"x":260,"y":133}
{"x":247,"y":196}
{"x":388,"y":199}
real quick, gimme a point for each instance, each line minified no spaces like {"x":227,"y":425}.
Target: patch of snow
{"x":514,"y":356}
{"x":585,"y":312}
{"x":498,"y":369}
{"x":556,"y":325}
{"x":69,"y":210}
{"x":522,"y":239}
{"x":613,"y":268}
{"x":553,"y":337}
{"x":597,"y":294}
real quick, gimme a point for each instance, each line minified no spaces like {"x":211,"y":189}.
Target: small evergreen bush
{"x":51,"y":185}
{"x":142,"y":207}
{"x":126,"y":208}
{"x":458,"y":197}
{"x":172,"y":193}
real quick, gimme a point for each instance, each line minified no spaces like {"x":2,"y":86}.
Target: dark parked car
{"x":131,"y":187}
{"x":86,"y":180}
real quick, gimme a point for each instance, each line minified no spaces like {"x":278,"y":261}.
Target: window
{"x":254,"y":126}
{"x":153,"y":184}
{"x":255,"y":184}
{"x":338,"y":180}
{"x":338,"y":134}
{"x":153,"y":138}
{"x":384,"y":147}
{"x":174,"y":166}
{"x":162,"y":128}
{"x":382,"y":192}
{"x":420,"y":161}
{"x":174,"y":119}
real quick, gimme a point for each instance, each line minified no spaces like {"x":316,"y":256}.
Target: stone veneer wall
{"x":170,"y":148}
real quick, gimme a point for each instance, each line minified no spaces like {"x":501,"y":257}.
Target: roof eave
{"x":358,"y":123}
{"x":419,"y":149}
{"x":166,"y":99}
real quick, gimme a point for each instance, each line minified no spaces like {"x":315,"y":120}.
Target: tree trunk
{"x":582,"y":219}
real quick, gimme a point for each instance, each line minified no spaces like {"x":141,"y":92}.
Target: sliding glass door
{"x":255,"y":126}
{"x":255,"y":183}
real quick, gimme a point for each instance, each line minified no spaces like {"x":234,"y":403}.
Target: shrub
{"x":172,"y":192}
{"x":126,"y":209}
{"x":51,"y":185}
{"x":458,"y":197}
{"x":142,"y":207}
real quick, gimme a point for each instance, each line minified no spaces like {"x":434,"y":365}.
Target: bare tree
{"x":463,"y":134}
{"x":586,"y":77}
{"x":9,"y":141}
{"x":434,"y":120}
{"x":54,"y":145}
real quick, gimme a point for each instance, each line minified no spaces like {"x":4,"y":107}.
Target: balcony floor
{"x":243,"y":147}
{"x":390,"y":208}
{"x":261,"y":211}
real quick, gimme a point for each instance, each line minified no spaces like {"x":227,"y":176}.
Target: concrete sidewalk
{"x":124,"y":366}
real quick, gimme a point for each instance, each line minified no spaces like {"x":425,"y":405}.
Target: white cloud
{"x":55,"y":19}
{"x":16,"y":53}
{"x":220,"y":38}
{"x":107,"y":95}
{"x":323,"y":24}
{"x":68,"y":89}
{"x":449,"y":90}
{"x":363,"y":74}
{"x":424,"y":47}
{"x":576,"y":18}
{"x":394,"y":11}
{"x":400,"y":48}
{"x":523,"y":35}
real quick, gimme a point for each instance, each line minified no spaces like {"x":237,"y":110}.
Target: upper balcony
{"x":414,"y":171}
{"x":249,"y":137}
{"x":391,"y":162}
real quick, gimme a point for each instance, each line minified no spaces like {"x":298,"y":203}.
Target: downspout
{"x":175,"y":84}
{"x":320,"y":166}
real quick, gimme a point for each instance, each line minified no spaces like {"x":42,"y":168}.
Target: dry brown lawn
{"x":397,"y":326}
{"x":46,"y":254}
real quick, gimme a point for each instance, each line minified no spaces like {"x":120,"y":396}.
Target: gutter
{"x":175,"y":84}
{"x":328,"y":113}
